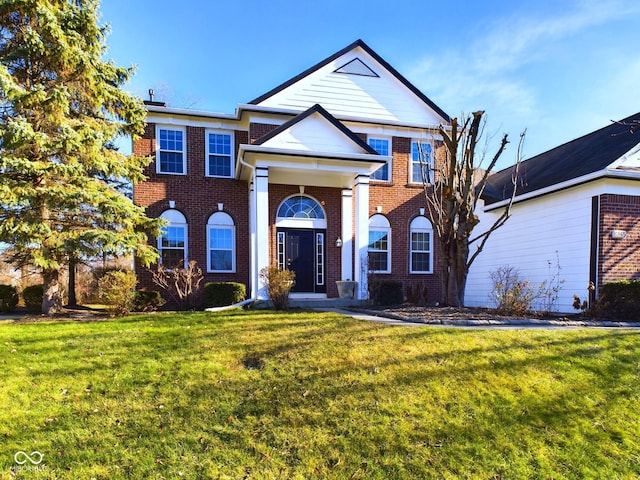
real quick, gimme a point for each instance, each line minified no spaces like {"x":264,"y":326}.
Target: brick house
{"x":577,"y":206}
{"x":321,"y":175}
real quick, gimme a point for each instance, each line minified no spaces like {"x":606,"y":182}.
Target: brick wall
{"x":401,"y":202}
{"x":619,"y":258}
{"x":197,"y":197}
{"x":258,"y":130}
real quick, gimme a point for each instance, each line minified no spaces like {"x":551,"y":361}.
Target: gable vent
{"x":356,"y":67}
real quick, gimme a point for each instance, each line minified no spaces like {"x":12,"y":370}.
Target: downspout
{"x":249,"y":300}
{"x":252,"y":169}
{"x":229,"y":307}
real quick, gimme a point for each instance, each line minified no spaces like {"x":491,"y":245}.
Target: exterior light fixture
{"x":338,"y":242}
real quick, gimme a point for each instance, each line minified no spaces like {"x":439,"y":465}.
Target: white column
{"x":253,"y":264}
{"x":261,"y":187}
{"x":347,"y":235}
{"x":361,"y":235}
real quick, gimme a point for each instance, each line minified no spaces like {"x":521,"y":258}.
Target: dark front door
{"x":304,"y":255}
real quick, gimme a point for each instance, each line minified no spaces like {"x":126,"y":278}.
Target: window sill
{"x":219,"y":176}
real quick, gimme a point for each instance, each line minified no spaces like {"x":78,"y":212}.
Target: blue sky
{"x":560,"y":69}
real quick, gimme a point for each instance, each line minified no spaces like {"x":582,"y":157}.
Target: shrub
{"x":511,"y":294}
{"x":619,"y":300}
{"x":220,"y":294}
{"x":385,"y":292}
{"x":417,"y":294}
{"x":32,"y":296}
{"x":279,"y":283}
{"x":8,"y":298}
{"x":147,"y":301}
{"x":182,"y":285}
{"x":117,"y":290}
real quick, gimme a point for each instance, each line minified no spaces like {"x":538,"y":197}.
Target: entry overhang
{"x":295,"y":167}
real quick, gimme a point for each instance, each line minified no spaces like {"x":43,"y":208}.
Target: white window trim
{"x":411,"y":162}
{"x":167,"y":215}
{"x":387,"y":230}
{"x":184,"y":148}
{"x":221,"y":226}
{"x":206,"y":157}
{"x":428,"y":230}
{"x":389,"y":163}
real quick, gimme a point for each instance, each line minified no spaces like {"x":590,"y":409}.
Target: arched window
{"x":421,"y":246}
{"x":379,"y":244}
{"x":172,"y":243}
{"x":300,"y":206}
{"x":221,"y":241}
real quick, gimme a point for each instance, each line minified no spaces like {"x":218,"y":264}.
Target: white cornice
{"x":160,"y":114}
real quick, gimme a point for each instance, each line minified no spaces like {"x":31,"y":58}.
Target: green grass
{"x":308,"y":395}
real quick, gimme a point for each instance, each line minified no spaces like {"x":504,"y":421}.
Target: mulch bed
{"x":432,"y":314}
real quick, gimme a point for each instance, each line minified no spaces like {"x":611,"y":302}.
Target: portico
{"x":337,"y":159}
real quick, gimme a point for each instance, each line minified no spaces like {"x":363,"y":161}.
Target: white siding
{"x":381,"y":98}
{"x":540,"y":233}
{"x":314,"y":133}
{"x":558,"y":222}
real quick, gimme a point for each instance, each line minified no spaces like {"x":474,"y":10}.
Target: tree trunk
{"x":51,"y":298}
{"x":73,"y":302}
{"x":454,"y":272}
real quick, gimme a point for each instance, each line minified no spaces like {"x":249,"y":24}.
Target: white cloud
{"x":510,"y":65}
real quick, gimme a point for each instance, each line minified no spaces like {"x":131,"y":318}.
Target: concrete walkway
{"x":394,"y":319}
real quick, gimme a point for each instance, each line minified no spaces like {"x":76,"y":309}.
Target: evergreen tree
{"x":60,"y":106}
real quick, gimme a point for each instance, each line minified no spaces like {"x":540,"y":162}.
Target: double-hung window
{"x":170,"y":154}
{"x":382,"y":146}
{"x":172,"y":243}
{"x":219,"y":154}
{"x":421,"y":162}
{"x":379,"y":244}
{"x":421,"y":248}
{"x":221,"y":243}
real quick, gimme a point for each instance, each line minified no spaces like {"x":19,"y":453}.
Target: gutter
{"x":574,"y":182}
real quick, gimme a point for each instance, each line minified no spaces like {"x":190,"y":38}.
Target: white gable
{"x":314,"y":133}
{"x":355,"y":85}
{"x":629,"y":161}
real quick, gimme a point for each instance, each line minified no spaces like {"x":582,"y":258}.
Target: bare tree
{"x":181,"y":284}
{"x":451,"y":199}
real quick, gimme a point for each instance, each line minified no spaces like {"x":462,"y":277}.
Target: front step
{"x":325,"y":302}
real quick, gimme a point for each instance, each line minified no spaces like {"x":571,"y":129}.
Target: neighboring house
{"x":320,"y":175}
{"x":577,"y":206}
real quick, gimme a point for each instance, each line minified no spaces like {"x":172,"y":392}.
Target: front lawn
{"x":305,"y":395}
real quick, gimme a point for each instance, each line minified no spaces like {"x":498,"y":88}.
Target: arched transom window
{"x":300,"y":206}
{"x":301,"y":211}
